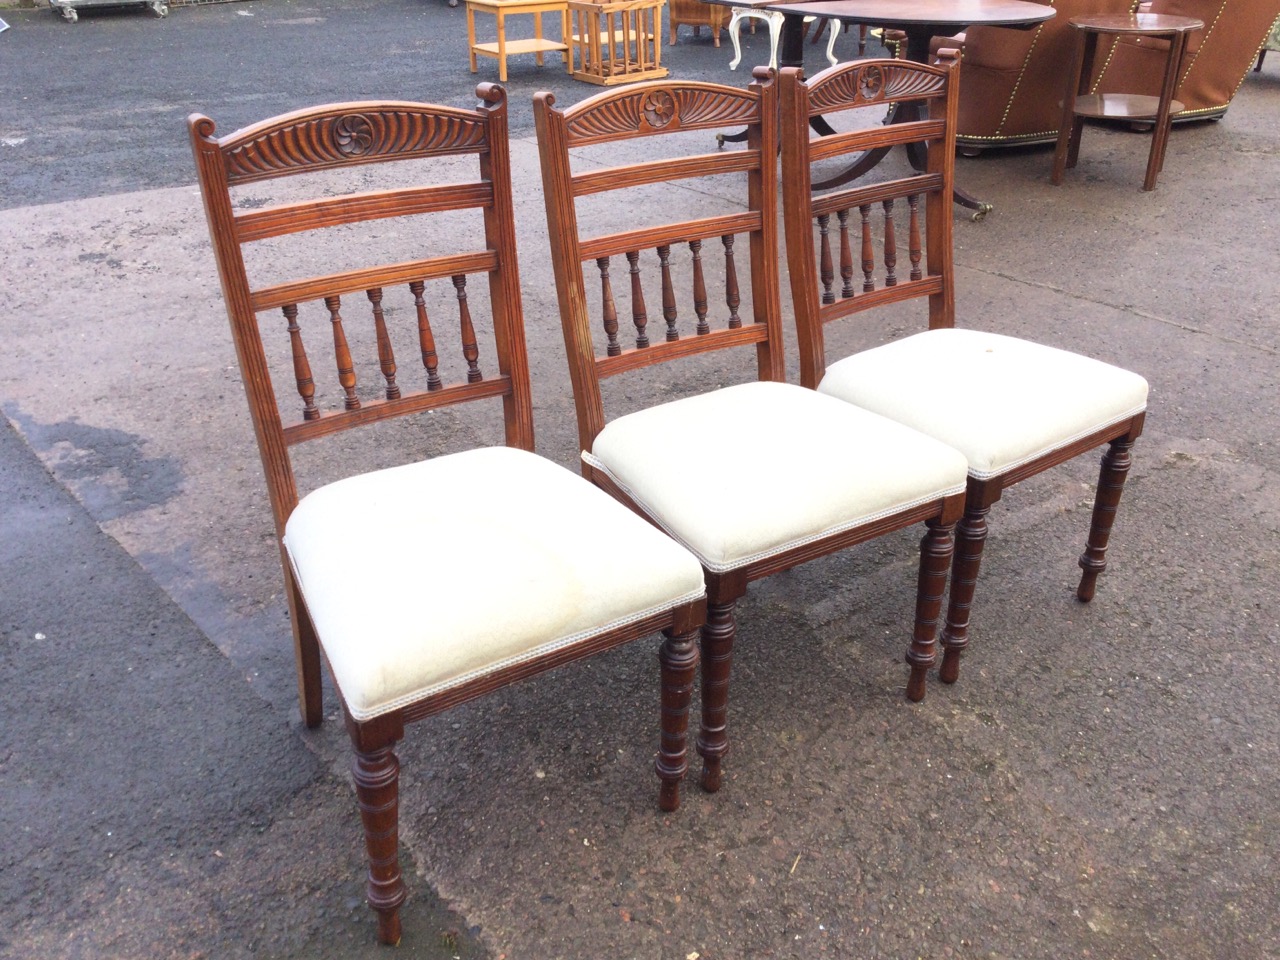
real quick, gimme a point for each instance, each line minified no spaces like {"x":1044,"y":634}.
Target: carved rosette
{"x":871,"y":82}
{"x":658,"y":109}
{"x":653,"y":110}
{"x":875,"y":83}
{"x":319,"y":141}
{"x":353,"y":135}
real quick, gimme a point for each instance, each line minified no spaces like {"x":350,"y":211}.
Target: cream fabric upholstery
{"x":748,"y":471}
{"x":1000,"y":401}
{"x":423,"y":576}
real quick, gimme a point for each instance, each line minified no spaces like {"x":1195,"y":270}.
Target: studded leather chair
{"x":1013,"y":80}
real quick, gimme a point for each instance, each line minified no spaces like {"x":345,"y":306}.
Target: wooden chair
{"x":755,"y":477}
{"x":1013,"y":407}
{"x":428,"y":584}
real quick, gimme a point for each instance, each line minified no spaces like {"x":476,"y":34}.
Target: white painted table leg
{"x":775,"y":21}
{"x":735,"y":26}
{"x":831,"y":43}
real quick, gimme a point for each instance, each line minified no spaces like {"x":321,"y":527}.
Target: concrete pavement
{"x":1100,"y":783}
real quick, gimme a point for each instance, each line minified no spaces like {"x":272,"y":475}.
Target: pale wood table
{"x":503,"y":48}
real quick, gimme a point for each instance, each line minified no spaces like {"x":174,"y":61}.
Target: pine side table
{"x":503,"y":48}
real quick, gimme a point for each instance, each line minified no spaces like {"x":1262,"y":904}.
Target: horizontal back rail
{"x":880,"y":297}
{"x":358,"y":281}
{"x":840,"y":144}
{"x":664,"y":171}
{"x":290,"y":218}
{"x":687,"y":347}
{"x":335,"y":421}
{"x":876,"y":193}
{"x":647,"y":237}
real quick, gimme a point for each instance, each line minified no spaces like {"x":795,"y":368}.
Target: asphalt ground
{"x":1100,"y":783}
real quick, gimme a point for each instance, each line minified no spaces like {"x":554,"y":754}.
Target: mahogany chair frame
{"x":343,"y":135}
{"x":654,"y":109}
{"x":812,"y":268}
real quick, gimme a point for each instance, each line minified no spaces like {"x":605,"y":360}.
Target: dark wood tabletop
{"x":921,"y":20}
{"x":905,"y":14}
{"x":1141,"y":23}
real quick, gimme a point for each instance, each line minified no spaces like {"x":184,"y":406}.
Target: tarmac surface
{"x":1101,"y":782}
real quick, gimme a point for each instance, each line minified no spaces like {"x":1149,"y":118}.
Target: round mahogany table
{"x":921,"y":21}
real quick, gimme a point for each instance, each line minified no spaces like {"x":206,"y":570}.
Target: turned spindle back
{"x":678,"y":255}
{"x":891,"y":239}
{"x":331,"y":309}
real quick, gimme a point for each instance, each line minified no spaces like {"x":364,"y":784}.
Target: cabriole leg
{"x":1115,"y":468}
{"x":775,"y":32}
{"x":936,"y":548}
{"x":735,"y":27}
{"x":679,"y":659}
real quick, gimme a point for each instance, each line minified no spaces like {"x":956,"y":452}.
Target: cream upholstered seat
{"x":429,"y":584}
{"x":567,"y":560}
{"x":1001,"y":401}
{"x":1013,"y":407}
{"x":769,"y":437}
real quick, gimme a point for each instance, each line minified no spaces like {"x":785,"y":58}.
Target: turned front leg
{"x":1115,"y":468}
{"x":679,"y":659}
{"x":971,"y":536}
{"x":717,"y":658}
{"x":377,"y":775}
{"x":935,"y":556}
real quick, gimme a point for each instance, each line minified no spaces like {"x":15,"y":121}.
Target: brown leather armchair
{"x":1217,"y":59}
{"x":1012,"y":81}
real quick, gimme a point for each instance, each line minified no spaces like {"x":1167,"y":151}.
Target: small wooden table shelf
{"x":1079,"y":104}
{"x":502,"y":47}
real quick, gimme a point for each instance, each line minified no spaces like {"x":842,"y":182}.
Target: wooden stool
{"x":1079,"y":103}
{"x":616,"y":41}
{"x":500,"y":50}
